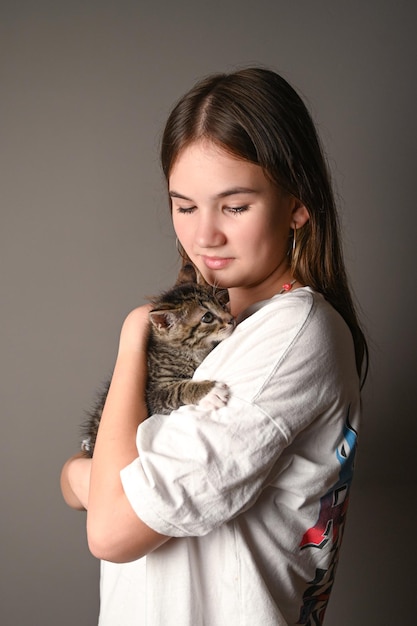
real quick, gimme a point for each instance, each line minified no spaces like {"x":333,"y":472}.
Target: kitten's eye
{"x":207,"y":318}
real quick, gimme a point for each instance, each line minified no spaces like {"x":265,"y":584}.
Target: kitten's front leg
{"x":208,"y":394}
{"x":217,"y":397}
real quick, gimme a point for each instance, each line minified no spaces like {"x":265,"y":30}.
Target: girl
{"x":240,"y":511}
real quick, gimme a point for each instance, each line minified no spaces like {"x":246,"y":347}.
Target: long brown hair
{"x":256,"y":115}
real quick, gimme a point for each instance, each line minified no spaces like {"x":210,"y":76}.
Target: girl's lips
{"x":216,"y":262}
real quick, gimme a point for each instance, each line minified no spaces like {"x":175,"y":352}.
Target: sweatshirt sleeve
{"x":198,"y":469}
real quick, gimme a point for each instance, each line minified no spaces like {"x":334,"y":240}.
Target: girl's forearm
{"x":115,"y":446}
{"x":114,"y":531}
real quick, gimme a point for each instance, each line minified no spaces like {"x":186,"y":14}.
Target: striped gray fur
{"x":186,"y":323}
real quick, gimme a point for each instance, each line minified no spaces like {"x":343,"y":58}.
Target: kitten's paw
{"x":217,"y":397}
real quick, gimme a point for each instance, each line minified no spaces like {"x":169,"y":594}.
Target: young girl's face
{"x":232,"y":221}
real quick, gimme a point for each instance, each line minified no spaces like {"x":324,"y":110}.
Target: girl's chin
{"x":214,"y":280}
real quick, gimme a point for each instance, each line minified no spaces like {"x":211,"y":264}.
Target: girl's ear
{"x":299,"y":216}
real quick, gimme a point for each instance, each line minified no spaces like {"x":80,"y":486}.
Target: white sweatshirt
{"x":255,"y":493}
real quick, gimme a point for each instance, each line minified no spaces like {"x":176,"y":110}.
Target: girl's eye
{"x":207,"y":318}
{"x":185,"y":209}
{"x":238,"y":209}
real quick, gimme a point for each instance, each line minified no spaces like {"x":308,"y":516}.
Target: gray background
{"x":85,"y":235}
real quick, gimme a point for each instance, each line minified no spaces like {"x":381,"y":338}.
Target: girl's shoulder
{"x":294,"y":307}
{"x":301,"y":321}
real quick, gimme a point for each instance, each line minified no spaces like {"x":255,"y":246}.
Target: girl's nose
{"x":209,"y":233}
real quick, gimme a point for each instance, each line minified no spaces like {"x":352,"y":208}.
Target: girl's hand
{"x":135,"y":330}
{"x":75,"y":481}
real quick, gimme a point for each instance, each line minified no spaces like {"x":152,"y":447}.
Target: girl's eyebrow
{"x":223,"y":194}
{"x":175,"y":194}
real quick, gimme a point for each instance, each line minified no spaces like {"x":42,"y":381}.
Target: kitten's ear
{"x":187,"y":274}
{"x":223,"y":296}
{"x":164,"y":319}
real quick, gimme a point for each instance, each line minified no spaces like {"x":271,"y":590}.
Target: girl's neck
{"x":240,"y":299}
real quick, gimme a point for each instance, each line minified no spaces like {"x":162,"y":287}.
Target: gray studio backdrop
{"x":85,"y":236}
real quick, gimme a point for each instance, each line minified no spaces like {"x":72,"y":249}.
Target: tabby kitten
{"x":186,"y":323}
